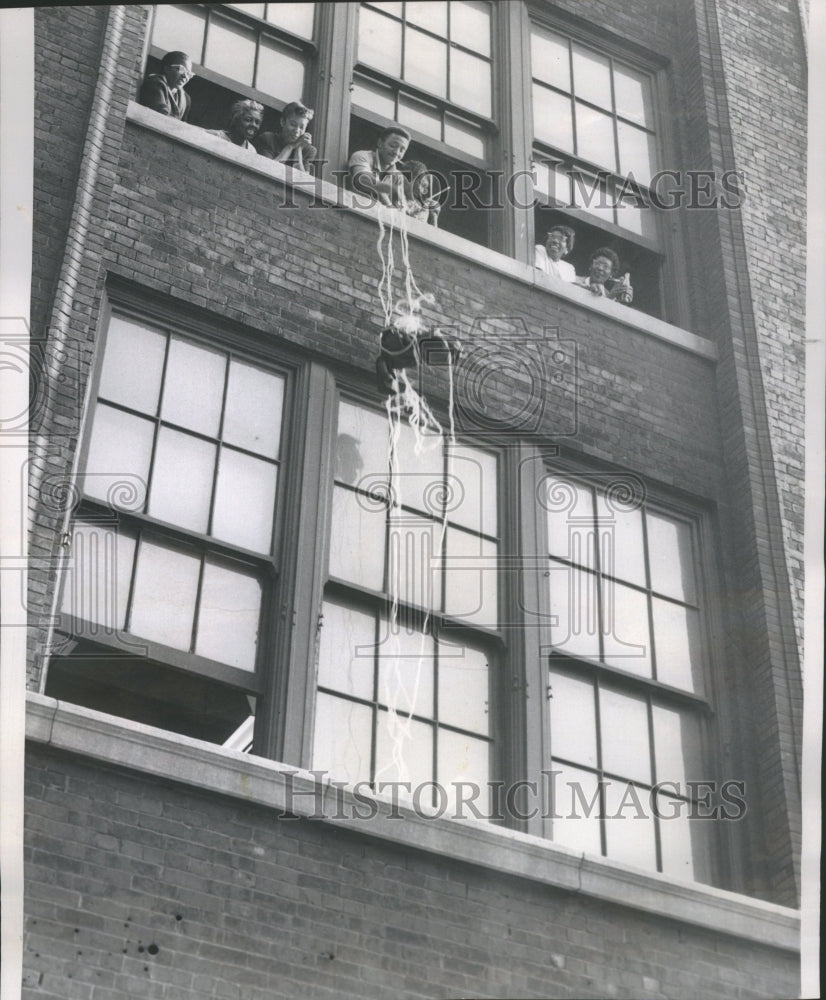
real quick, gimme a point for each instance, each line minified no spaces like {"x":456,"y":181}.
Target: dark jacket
{"x":158,"y":95}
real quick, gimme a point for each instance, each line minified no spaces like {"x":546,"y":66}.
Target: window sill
{"x":265,"y":783}
{"x":329,"y":194}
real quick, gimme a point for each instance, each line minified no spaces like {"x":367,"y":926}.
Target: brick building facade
{"x":615,"y":594}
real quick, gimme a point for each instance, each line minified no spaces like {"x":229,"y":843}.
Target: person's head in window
{"x":295,"y":118}
{"x":176,"y":68}
{"x":604,"y":276}
{"x":245,"y":119}
{"x":164,"y":92}
{"x":559,"y":242}
{"x":391,"y":145}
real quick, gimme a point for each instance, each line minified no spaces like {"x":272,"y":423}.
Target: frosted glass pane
{"x":393,"y":7}
{"x":406,"y":673}
{"x":678,"y":645}
{"x":431,"y":14}
{"x":179,"y":29}
{"x":672,"y":567}
{"x":194,"y":387}
{"x":96,"y":583}
{"x":414,"y":548}
{"x":677,"y":747}
{"x":470,"y":83}
{"x":117,"y":467}
{"x":623,"y":551}
{"x":230,"y":50}
{"x":573,"y":719}
{"x":425,"y":62}
{"x":361,"y":445}
{"x":132,"y":365}
{"x":595,"y":136}
{"x":163,"y":605}
{"x":255,"y":400}
{"x":589,"y":193}
{"x":625,"y":628}
{"x":472,"y":489}
{"x":380,"y":42}
{"x":552,"y":121}
{"x":244,"y":501}
{"x":182,"y":479}
{"x":465,"y":136}
{"x":404,"y":752}
{"x":357,"y":540}
{"x":470,"y":25}
{"x":632,"y":93}
{"x":471,"y":579}
{"x":419,"y":116}
{"x":374,"y":97}
{"x":463,"y":760}
{"x":574,"y":611}
{"x":422,"y":462}
{"x":280,"y":71}
{"x":342,"y":738}
{"x":635,"y":219}
{"x":629,"y":825}
{"x":624,"y":731}
{"x":294,"y":17}
{"x":549,"y":59}
{"x":228,"y":616}
{"x":686,"y":844}
{"x":575,"y":809}
{"x":464,"y":688}
{"x":592,"y":77}
{"x":345,"y":651}
{"x":637,"y":153}
{"x":256,"y":9}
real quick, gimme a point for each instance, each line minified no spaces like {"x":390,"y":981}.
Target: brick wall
{"x":142,"y":889}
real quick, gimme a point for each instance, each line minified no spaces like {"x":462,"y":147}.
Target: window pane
{"x":117,"y":467}
{"x":685,"y":843}
{"x":421,"y":458}
{"x":393,"y":7}
{"x":623,"y":727}
{"x":132,"y":365}
{"x":470,"y":25}
{"x":294,"y":17}
{"x":636,"y":219}
{"x":380,"y":42}
{"x":244,"y":501}
{"x":472,"y":489}
{"x":342,"y":740}
{"x":625,"y":628}
{"x":357,"y":539}
{"x":574,"y":611}
{"x":629,"y":825}
{"x":632,"y":93}
{"x":573,"y":719}
{"x":425,"y":62}
{"x":622,"y":550}
{"x":415,"y":546}
{"x":592,"y":77}
{"x":462,"y":759}
{"x":672,"y":567}
{"x":470,"y":579}
{"x":464,"y":687}
{"x":96,"y":586}
{"x":589,"y":193}
{"x":193,"y":387}
{"x":470,"y":82}
{"x":179,"y":28}
{"x":431,"y":15}
{"x":404,"y":752}
{"x":406,"y":672}
{"x":255,"y":400}
{"x":280,"y":71}
{"x":373,"y":97}
{"x":256,"y":9}
{"x":182,"y":479}
{"x":677,"y":749}
{"x":595,"y":136}
{"x":230,"y":50}
{"x":678,"y":646}
{"x":550,"y":61}
{"x":465,"y":136}
{"x":420,"y":116}
{"x":570,"y":518}
{"x":636,"y":152}
{"x":576,"y":809}
{"x":228,"y":616}
{"x":163,"y":606}
{"x":552,"y":118}
{"x":361,"y":445}
{"x":345,"y":651}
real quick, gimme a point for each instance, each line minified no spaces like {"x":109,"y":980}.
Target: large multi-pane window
{"x":626,"y":683}
{"x":405,"y":672}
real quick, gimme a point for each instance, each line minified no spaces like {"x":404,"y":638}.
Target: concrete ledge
{"x":287,"y":789}
{"x":323,"y":193}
